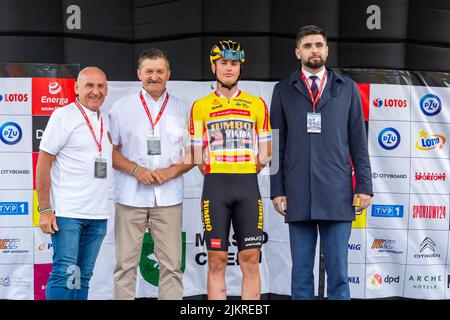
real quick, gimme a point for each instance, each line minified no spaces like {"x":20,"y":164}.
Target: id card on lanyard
{"x":100,"y":164}
{"x":153,"y":142}
{"x":314,"y":119}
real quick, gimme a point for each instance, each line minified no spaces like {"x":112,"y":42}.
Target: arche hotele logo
{"x":10,"y":133}
{"x":430,"y":104}
{"x":389,"y":138}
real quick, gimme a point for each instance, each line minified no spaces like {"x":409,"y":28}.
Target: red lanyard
{"x":319,"y":93}
{"x":99,"y":143}
{"x":161,"y":111}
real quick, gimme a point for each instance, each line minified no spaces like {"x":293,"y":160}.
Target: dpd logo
{"x":10,"y":133}
{"x":430,"y":104}
{"x":389,"y":138}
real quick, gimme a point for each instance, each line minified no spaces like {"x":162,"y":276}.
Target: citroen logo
{"x":427,"y":244}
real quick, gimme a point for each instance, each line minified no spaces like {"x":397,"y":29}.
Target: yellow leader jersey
{"x":229,"y":131}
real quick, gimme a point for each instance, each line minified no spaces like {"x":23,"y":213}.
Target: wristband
{"x":44,"y":210}
{"x":134,"y":170}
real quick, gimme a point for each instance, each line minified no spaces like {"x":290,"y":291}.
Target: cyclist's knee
{"x":217,"y":261}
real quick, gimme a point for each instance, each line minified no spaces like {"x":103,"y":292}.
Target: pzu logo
{"x":430,"y":104}
{"x":10,"y":133}
{"x":389,"y":138}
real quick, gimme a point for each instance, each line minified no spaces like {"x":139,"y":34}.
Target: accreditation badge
{"x":153,"y":146}
{"x":100,"y":169}
{"x":313,"y":122}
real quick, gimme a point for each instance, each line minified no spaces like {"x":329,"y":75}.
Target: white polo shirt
{"x":130,"y":127}
{"x":75,"y":192}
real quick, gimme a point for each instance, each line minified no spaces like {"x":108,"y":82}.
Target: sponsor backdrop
{"x":398,"y":247}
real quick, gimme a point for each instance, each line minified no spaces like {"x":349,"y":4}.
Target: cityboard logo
{"x":354,"y":246}
{"x":390,"y":103}
{"x":429,"y":212}
{"x":5,"y":282}
{"x":430,"y":141}
{"x":434,"y":176}
{"x":54,"y":88}
{"x":14,"y":97}
{"x":389,"y":138}
{"x":387,"y":211}
{"x":430,"y":104}
{"x":427,"y":245}
{"x":376,"y":280}
{"x":13,"y":208}
{"x":376,"y":175}
{"x":8,"y":244}
{"x":385,"y":246}
{"x":45,"y":246}
{"x":10,"y":133}
{"x":13,"y":171}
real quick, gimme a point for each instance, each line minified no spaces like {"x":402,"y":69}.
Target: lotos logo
{"x":54,"y":88}
{"x":10,"y":133}
{"x":14,"y":97}
{"x":390,"y":103}
{"x":430,"y":104}
{"x":430,"y":141}
{"x":389,"y":138}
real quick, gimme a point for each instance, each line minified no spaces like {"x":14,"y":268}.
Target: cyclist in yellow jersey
{"x":231,"y":140}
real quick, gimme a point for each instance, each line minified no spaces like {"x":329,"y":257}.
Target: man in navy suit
{"x":321,"y":130}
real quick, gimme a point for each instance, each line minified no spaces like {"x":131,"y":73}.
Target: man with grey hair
{"x":73,"y":179}
{"x":149,"y":131}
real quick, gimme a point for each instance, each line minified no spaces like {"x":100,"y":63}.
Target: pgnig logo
{"x":389,"y":138}
{"x":10,"y":133}
{"x":430,"y":104}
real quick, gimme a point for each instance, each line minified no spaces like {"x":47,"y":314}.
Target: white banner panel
{"x":16,"y":171}
{"x":15,"y":133}
{"x":15,"y":96}
{"x":16,"y":281}
{"x":16,"y":245}
{"x":16,"y":208}
{"x":390,"y":102}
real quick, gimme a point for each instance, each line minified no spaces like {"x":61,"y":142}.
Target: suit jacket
{"x":314,"y":168}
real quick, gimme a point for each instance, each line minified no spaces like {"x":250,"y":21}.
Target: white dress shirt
{"x":319,"y":77}
{"x":130,"y":127}
{"x":75,"y":192}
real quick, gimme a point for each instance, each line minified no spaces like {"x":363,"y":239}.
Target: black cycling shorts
{"x":232,"y":198}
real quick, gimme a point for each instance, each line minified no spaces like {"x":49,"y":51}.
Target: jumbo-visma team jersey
{"x":229,"y":131}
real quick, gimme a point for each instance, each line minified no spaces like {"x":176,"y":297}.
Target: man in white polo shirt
{"x":149,"y":131}
{"x":73,"y":179}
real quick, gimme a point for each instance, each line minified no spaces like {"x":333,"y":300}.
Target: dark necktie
{"x":314,"y":87}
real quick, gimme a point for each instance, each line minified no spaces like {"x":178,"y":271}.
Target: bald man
{"x":73,"y":177}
